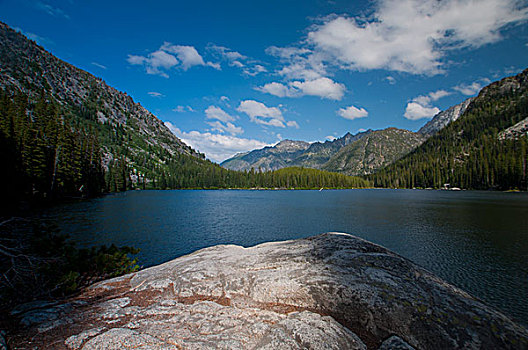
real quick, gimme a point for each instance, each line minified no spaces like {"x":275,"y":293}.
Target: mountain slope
{"x":267,"y":158}
{"x":442,"y":119}
{"x":374,"y":151}
{"x":319,"y":153}
{"x":289,"y":153}
{"x":473,"y":151}
{"x":28,"y":68}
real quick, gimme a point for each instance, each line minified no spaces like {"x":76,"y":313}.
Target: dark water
{"x":475,"y":240}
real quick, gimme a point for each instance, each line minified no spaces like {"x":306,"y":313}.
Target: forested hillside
{"x":374,"y":151}
{"x":65,"y":133}
{"x":470,"y":152}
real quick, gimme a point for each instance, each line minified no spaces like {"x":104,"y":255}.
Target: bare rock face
{"x":332,"y":291}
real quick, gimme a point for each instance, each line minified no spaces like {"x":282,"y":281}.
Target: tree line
{"x":51,"y":152}
{"x":468,"y":152}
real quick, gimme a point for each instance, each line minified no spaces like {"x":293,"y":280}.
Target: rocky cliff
{"x":442,"y":119}
{"x":332,"y":291}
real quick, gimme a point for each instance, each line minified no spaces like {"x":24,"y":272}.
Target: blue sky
{"x":231,"y":76}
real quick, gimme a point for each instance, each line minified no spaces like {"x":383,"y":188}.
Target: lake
{"x":475,"y":240}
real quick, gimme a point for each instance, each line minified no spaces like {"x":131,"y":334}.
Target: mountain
{"x":374,"y":151}
{"x":319,"y":153}
{"x":442,"y":119}
{"x":359,"y":154}
{"x":28,"y":68}
{"x":485,"y":148}
{"x":289,"y":153}
{"x":65,"y":133}
{"x":267,"y":158}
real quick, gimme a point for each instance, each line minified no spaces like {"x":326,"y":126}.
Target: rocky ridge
{"x":442,"y":119}
{"x":374,"y":151}
{"x":332,"y":291}
{"x":290,"y":153}
{"x":515,"y":131}
{"x":27,"y":67}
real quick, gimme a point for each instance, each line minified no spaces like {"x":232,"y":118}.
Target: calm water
{"x":475,"y":240}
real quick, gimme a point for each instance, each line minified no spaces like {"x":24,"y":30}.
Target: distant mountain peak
{"x":292,"y":145}
{"x":442,"y":119}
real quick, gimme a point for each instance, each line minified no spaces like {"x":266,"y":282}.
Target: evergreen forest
{"x":51,"y":152}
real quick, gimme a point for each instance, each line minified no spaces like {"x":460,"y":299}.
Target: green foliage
{"x":468,"y":152}
{"x":43,"y":156}
{"x":38,"y":262}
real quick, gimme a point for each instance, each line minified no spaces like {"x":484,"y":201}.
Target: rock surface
{"x":332,"y":291}
{"x":442,"y":119}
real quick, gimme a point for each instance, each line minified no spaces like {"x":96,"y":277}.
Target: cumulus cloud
{"x":411,"y":35}
{"x":259,"y":113}
{"x":425,"y":100}
{"x":415,"y":111}
{"x":420,"y":107}
{"x":277,"y":89}
{"x":213,"y":112}
{"x":298,"y":63}
{"x":473,"y":88}
{"x":352,"y":112}
{"x":215,"y":146}
{"x":230,"y":128}
{"x":181,"y":109}
{"x":222,"y":121}
{"x":321,"y":87}
{"x":249,"y":66}
{"x":169,"y":56}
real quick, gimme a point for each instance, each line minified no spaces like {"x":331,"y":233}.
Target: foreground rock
{"x":332,"y":291}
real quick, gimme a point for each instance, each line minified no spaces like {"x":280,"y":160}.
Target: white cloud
{"x":420,"y":107}
{"x":415,"y":111}
{"x":254,"y":70}
{"x":236,"y":59}
{"x":412,"y":35}
{"x":99,"y":65}
{"x":292,"y":124}
{"x":187,"y":55}
{"x":352,"y":112}
{"x":259,"y":113}
{"x":224,"y":98}
{"x":391,"y":80}
{"x":155,"y":94}
{"x":436,"y":95}
{"x":277,"y":89}
{"x":213,"y":112}
{"x":216,"y":147}
{"x":226,"y":127}
{"x":169,"y":56}
{"x":473,"y":88}
{"x":321,"y":87}
{"x":181,"y":109}
{"x":425,"y":100}
{"x":50,"y":10}
{"x":330,"y":138}
{"x":222,"y":121}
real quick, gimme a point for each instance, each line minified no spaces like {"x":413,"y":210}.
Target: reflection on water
{"x":475,"y":240}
